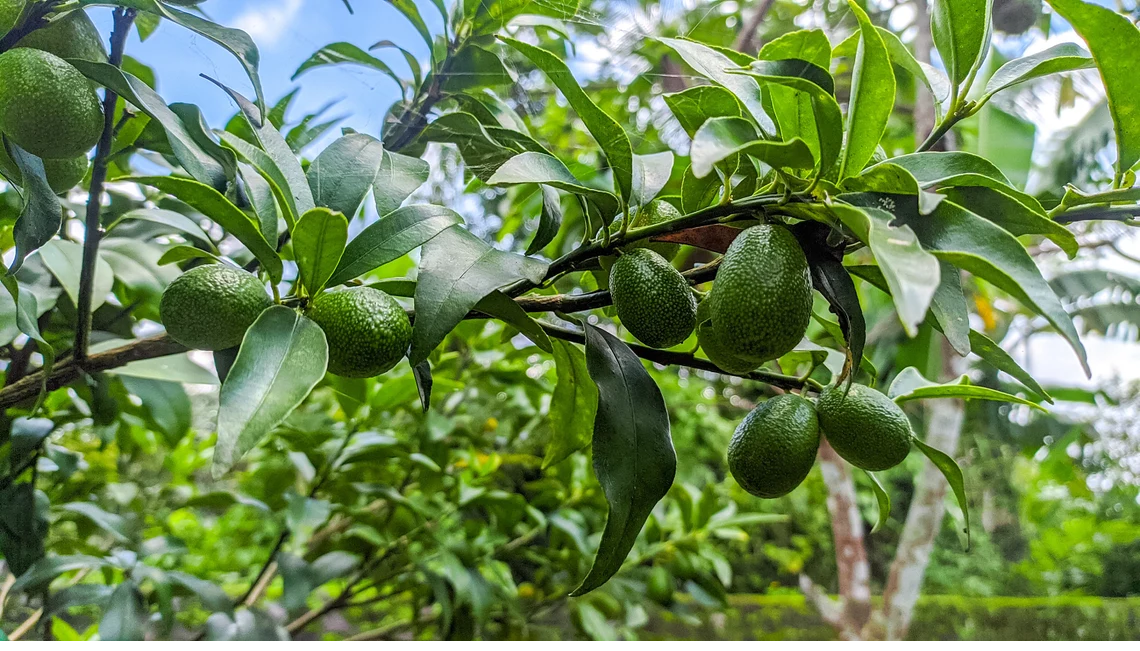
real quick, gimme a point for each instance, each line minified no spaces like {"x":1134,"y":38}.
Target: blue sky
{"x":287,"y":32}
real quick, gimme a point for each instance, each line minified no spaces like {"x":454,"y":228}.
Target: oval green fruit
{"x":62,"y":173}
{"x":864,"y":426}
{"x":46,"y":106}
{"x":367,"y":330}
{"x":653,"y":300}
{"x":210,"y":307}
{"x":775,"y":446}
{"x":73,"y":36}
{"x":656,"y":212}
{"x":714,"y":349}
{"x":10,"y":11}
{"x":761,"y":298}
{"x":659,"y":585}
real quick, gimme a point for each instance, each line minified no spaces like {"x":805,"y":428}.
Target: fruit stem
{"x":123,"y":18}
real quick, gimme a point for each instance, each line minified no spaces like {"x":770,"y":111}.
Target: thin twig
{"x":35,"y":17}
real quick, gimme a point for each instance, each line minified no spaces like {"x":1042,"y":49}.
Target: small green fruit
{"x":46,"y":106}
{"x":367,"y":330}
{"x":62,"y":173}
{"x":653,"y":300}
{"x":865,"y":427}
{"x":210,"y":307}
{"x":10,"y":11}
{"x":659,"y":586}
{"x":73,"y":36}
{"x":714,"y":349}
{"x":775,"y":446}
{"x":761,"y":298}
{"x":656,"y":212}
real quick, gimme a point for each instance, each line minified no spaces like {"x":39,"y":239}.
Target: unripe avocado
{"x":367,"y":330}
{"x":659,"y":586}
{"x":774,"y":448}
{"x":73,"y":36}
{"x":653,"y":300}
{"x":761,"y":298}
{"x":46,"y":106}
{"x":10,"y":11}
{"x":865,"y":427}
{"x":656,"y":212}
{"x":710,"y":342}
{"x":210,"y":307}
{"x":62,"y":173}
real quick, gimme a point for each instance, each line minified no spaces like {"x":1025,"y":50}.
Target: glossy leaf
{"x":124,"y":617}
{"x":282,"y":358}
{"x":883,"y":498}
{"x":694,"y":106}
{"x":634,"y":459}
{"x":573,"y":405}
{"x":949,"y":309}
{"x":831,"y":279}
{"x":504,"y":308}
{"x":957,"y":168}
{"x":424,"y":382}
{"x":216,"y":207}
{"x":991,"y":352}
{"x":910,"y":385}
{"x":650,"y":174}
{"x":263,"y":199}
{"x":1114,"y":42}
{"x":396,"y":179}
{"x":953,"y":474}
{"x":549,"y":220}
{"x":872,"y":96}
{"x":962,"y":31}
{"x":176,"y":221}
{"x":390,"y":237}
{"x":64,"y":259}
{"x":1012,"y":215}
{"x":412,"y":13}
{"x":714,"y":66}
{"x":610,"y":135}
{"x":339,"y":53}
{"x":721,"y":138}
{"x":533,"y":167}
{"x":1064,"y":57}
{"x":318,"y":243}
{"x":39,"y":218}
{"x":341,"y":176}
{"x":809,"y":45}
{"x":195,"y":125}
{"x":457,"y":270}
{"x":474,"y":67}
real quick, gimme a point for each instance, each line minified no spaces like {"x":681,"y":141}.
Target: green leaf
{"x":911,"y":272}
{"x":216,"y":207}
{"x":910,"y":385}
{"x":714,"y":66}
{"x":962,"y":31}
{"x":174,"y":220}
{"x":976,"y":245}
{"x":64,"y":259}
{"x":809,"y":45}
{"x":901,"y":56}
{"x":283,"y":356}
{"x":263,"y":199}
{"x":694,"y":106}
{"x":872,"y":96}
{"x":409,"y":58}
{"x":1012,"y":215}
{"x":949,"y":309}
{"x":504,"y":308}
{"x":991,"y":352}
{"x":341,"y":176}
{"x":412,"y":13}
{"x":474,"y":67}
{"x":831,"y":279}
{"x":484,"y":148}
{"x":953,"y":475}
{"x":318,"y":243}
{"x":699,"y":193}
{"x":22,"y":531}
{"x":195,"y":124}
{"x":390,"y":237}
{"x":958,"y":168}
{"x":41,"y":213}
{"x":634,"y":459}
{"x":884,"y":500}
{"x":573,"y":404}
{"x":1114,"y":42}
{"x":533,"y":167}
{"x":124,"y":618}
{"x":721,"y":138}
{"x":114,"y":524}
{"x":166,"y":403}
{"x":609,"y":134}
{"x":47,"y":569}
{"x":27,"y":315}
{"x":1064,"y":57}
{"x":650,"y":174}
{"x":398,"y":177}
{"x":211,"y":596}
{"x":183,"y":252}
{"x":424,"y":382}
{"x":549,"y":220}
{"x":1007,"y":141}
{"x":338,"y":53}
{"x":457,"y":270}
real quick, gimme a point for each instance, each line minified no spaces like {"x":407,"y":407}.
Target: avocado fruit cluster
{"x":47,"y":107}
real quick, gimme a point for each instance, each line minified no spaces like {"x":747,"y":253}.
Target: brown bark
{"x":746,"y":40}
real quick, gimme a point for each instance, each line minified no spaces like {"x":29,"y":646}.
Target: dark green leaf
{"x":184,"y":252}
{"x":422,"y":373}
{"x":457,"y":270}
{"x":573,"y":404}
{"x":46,"y":570}
{"x":1012,"y":215}
{"x":212,"y":596}
{"x":112,"y":523}
{"x":318,"y":243}
{"x":504,"y":308}
{"x":884,"y":500}
{"x":721,"y":138}
{"x":282,"y":358}
{"x":910,"y":385}
{"x":715,"y":67}
{"x":474,"y":67}
{"x":341,"y":176}
{"x":694,"y":106}
{"x":958,"y":168}
{"x":412,"y":13}
{"x":953,"y":475}
{"x":337,"y":53}
{"x":698,"y":193}
{"x":41,"y":213}
{"x":195,"y":124}
{"x":549,"y":221}
{"x":166,"y":403}
{"x":948,"y":307}
{"x":391,"y":237}
{"x":174,"y":220}
{"x":634,"y":458}
{"x":263,"y":198}
{"x":533,"y":167}
{"x":872,"y":96}
{"x":988,"y":350}
{"x":961,"y":30}
{"x":409,"y":58}
{"x":124,"y":618}
{"x":27,"y":314}
{"x":22,"y":534}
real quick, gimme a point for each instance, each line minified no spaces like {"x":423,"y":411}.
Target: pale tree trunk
{"x":923,"y":101}
{"x":746,"y":38}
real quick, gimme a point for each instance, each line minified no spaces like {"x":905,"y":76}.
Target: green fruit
{"x":774,"y":448}
{"x":1016,"y":16}
{"x":367,"y":330}
{"x":10,"y":11}
{"x":62,"y":173}
{"x":210,"y":307}
{"x":656,"y":212}
{"x":46,"y":106}
{"x":653,"y":300}
{"x":761,"y":299}
{"x":714,"y":349}
{"x":865,"y":427}
{"x":659,"y":585}
{"x":72,"y":37}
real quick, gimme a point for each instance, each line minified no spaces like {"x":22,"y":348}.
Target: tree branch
{"x":34,"y":17}
{"x":94,"y":229}
{"x":746,"y":39}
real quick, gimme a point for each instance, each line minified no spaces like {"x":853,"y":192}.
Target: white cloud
{"x":269,"y":22}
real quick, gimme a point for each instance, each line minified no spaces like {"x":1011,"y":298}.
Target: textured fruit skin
{"x":9,"y":13}
{"x":774,"y":447}
{"x":46,"y":106}
{"x":367,"y":330}
{"x":761,"y":299}
{"x":210,"y":307}
{"x":867,"y":428}
{"x":716,"y":351}
{"x":72,"y":37}
{"x":62,"y":173}
{"x":656,"y":212}
{"x":653,"y":300}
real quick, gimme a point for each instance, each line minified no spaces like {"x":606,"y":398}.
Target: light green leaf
{"x":390,"y":237}
{"x":318,"y":243}
{"x":910,"y":385}
{"x":962,"y":31}
{"x":872,"y":96}
{"x":1064,"y":57}
{"x":40,"y":215}
{"x":283,"y":356}
{"x":809,"y":45}
{"x":338,"y":53}
{"x":953,"y":475}
{"x":573,"y":404}
{"x":398,"y":177}
{"x":64,"y":259}
{"x":884,"y":500}
{"x":534,"y":167}
{"x":263,"y":198}
{"x":412,"y":13}
{"x":175,"y":220}
{"x":124,"y":618}
{"x":715,"y":67}
{"x":694,"y":106}
{"x":721,"y":138}
{"x":650,"y":174}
